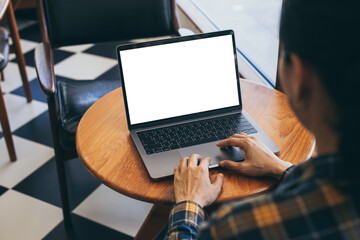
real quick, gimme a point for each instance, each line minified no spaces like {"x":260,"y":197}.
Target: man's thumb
{"x":231,"y":165}
{"x":219,"y":181}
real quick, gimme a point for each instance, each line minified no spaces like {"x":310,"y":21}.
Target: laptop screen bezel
{"x":169,"y":41}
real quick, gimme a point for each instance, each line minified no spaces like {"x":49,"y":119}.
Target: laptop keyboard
{"x":194,"y":133}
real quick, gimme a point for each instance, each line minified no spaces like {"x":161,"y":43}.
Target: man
{"x":320,"y":73}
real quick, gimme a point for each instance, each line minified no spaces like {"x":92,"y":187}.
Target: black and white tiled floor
{"x":29,"y":193}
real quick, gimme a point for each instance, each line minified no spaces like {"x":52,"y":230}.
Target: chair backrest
{"x":71,"y":22}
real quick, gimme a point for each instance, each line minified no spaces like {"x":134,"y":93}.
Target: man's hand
{"x":192,"y":182}
{"x":259,"y":159}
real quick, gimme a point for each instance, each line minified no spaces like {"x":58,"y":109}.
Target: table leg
{"x":155,"y":221}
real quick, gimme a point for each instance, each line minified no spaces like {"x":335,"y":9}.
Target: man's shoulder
{"x":309,"y":205}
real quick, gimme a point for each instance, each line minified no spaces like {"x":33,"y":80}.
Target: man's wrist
{"x":280,"y":168}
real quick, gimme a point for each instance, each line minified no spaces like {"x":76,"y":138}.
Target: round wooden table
{"x":108,"y":152}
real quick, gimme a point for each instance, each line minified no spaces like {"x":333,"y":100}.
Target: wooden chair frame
{"x":6,"y":129}
{"x":7,"y":12}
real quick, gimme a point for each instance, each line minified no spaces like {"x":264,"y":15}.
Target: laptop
{"x":182,"y":96}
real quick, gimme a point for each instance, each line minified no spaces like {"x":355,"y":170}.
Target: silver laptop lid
{"x":179,"y":78}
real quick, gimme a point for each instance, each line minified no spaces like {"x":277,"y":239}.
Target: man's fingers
{"x":176,"y":170}
{"x":193,"y":160}
{"x":205,"y":162}
{"x":234,"y":142}
{"x":231,"y":165}
{"x":184,"y":162}
{"x":240,"y":135}
{"x":217,"y":184}
{"x":224,"y":143}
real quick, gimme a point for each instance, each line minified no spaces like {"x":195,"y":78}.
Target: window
{"x":256,"y":26}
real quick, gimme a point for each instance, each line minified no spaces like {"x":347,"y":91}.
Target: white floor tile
{"x":24,"y":217}
{"x":27,"y":45}
{"x":77,"y":48}
{"x":83,"y":66}
{"x":13,"y":77}
{"x":30,"y":156}
{"x":20,"y":111}
{"x":12,"y":56}
{"x":114,"y":210}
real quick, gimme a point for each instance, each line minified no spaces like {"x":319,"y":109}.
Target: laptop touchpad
{"x":215,"y":153}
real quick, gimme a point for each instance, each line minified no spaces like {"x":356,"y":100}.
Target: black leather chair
{"x":70,"y":22}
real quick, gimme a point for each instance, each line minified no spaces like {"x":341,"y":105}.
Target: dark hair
{"x":325,"y":34}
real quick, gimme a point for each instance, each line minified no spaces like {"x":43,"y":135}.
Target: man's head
{"x":320,"y":66}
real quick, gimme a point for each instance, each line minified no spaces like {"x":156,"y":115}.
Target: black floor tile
{"x":2,"y":190}
{"x":85,"y":229}
{"x":36,"y":91}
{"x":37,"y":130}
{"x":31,"y":33}
{"x":113,"y":73}
{"x":107,"y":49}
{"x":58,"y":55}
{"x":60,"y":78}
{"x":43,"y":183}
{"x":81,"y":182}
{"x":29,"y":59}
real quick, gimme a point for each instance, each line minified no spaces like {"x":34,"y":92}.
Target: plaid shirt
{"x":308,"y":204}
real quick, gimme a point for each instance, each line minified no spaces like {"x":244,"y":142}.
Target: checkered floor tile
{"x":30,"y":206}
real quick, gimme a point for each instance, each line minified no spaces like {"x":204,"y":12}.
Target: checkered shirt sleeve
{"x":185,"y":219}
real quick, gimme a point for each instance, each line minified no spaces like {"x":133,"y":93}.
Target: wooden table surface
{"x":107,"y":150}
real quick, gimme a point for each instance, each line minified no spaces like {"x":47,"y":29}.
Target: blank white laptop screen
{"x":177,"y":79}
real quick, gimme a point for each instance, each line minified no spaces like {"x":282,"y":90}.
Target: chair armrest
{"x":44,"y":65}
